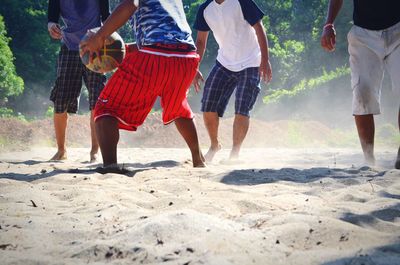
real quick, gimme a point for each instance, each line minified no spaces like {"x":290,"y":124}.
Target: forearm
{"x":117,"y":19}
{"x":262,"y":40}
{"x":201,"y":48}
{"x":201,"y":43}
{"x":333,"y":10}
{"x":53,"y":12}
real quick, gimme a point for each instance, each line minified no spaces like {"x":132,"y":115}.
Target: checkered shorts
{"x":67,"y":88}
{"x":220,"y":85}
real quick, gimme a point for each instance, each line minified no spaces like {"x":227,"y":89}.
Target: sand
{"x":283,"y":206}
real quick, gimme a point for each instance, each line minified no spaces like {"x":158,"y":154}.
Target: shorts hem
{"x":369,"y":113}
{"x":121,"y":123}
{"x":243,"y":114}
{"x":178,"y":117}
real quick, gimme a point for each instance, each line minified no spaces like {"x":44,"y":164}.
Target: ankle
{"x":94,"y":150}
{"x":215,"y":146}
{"x":369,"y":159}
{"x":61,"y":150}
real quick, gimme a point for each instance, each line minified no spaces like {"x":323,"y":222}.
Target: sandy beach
{"x":283,"y":206}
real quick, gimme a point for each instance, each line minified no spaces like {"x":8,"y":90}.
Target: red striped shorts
{"x":132,"y":90}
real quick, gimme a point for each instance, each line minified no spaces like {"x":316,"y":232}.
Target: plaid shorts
{"x":220,"y":85}
{"x":67,"y":88}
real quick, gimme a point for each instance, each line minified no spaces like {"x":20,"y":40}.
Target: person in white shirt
{"x":242,"y":61}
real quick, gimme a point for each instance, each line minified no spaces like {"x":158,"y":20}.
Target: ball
{"x":112,"y":53}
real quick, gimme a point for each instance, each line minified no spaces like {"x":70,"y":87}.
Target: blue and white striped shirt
{"x":161,"y":21}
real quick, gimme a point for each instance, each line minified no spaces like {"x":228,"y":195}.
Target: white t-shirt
{"x":232,"y":24}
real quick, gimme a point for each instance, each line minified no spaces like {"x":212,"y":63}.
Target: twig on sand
{"x":370,"y":182}
{"x":33,"y":204}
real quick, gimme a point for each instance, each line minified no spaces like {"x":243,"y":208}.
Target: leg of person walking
{"x":240,"y":129}
{"x":60,"y":127}
{"x":187,"y":129}
{"x":211,"y":121}
{"x":366,"y":132}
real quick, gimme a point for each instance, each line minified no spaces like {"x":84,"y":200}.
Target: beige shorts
{"x":371,"y":52}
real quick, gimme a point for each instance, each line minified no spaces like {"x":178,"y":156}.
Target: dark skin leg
{"x":366,"y":132}
{"x":187,"y":129}
{"x":397,"y":165}
{"x":108,"y":136}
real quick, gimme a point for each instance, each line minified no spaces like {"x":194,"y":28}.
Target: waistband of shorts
{"x":170,"y":50}
{"x":390,"y":28}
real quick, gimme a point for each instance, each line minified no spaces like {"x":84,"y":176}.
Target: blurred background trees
{"x":305,"y":78}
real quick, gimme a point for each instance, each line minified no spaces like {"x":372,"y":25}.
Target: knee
{"x":105,"y":122}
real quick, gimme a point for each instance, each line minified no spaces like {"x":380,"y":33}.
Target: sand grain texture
{"x":285,"y":206}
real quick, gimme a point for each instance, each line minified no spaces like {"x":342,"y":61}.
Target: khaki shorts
{"x":371,"y":52}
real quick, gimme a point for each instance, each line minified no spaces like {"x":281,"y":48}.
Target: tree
{"x":35,"y":53}
{"x":10,"y":83}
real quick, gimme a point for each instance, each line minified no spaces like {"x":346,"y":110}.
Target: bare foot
{"x":370,"y":160}
{"x":114,"y":168}
{"x":397,"y":164}
{"x":60,"y":155}
{"x":93,"y":156}
{"x":211,"y":153}
{"x":199,"y":161}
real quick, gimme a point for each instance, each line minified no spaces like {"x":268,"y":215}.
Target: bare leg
{"x":108,"y":135}
{"x":188,"y":131}
{"x":60,"y":126}
{"x":397,"y":165}
{"x":211,"y":121}
{"x":366,"y":132}
{"x":240,"y":129}
{"x":95,"y":144}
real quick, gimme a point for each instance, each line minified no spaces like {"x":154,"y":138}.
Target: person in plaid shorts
{"x":78,"y":17}
{"x":163,"y":65}
{"x":242,"y":61}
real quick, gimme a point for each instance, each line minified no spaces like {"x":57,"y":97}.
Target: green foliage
{"x":9,"y":113}
{"x":33,"y":49}
{"x":6,"y":113}
{"x":293,"y":28}
{"x":290,"y":54}
{"x":49,"y":112}
{"x":307,"y":85}
{"x":388,"y":134}
{"x":10,"y":83}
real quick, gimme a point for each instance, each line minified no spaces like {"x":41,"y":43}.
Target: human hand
{"x":265,"y":71}
{"x":54,"y":30}
{"x":197,"y":80}
{"x":328,"y":38}
{"x":92,"y":45}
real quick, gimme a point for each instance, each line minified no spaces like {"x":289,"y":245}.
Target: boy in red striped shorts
{"x":164,"y":65}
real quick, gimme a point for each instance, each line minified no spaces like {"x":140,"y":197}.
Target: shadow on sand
{"x":263,"y":176}
{"x":384,"y":255}
{"x":129,"y":169}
